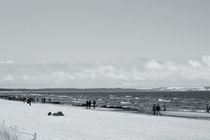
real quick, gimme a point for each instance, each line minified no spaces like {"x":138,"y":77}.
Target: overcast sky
{"x":105,"y":43}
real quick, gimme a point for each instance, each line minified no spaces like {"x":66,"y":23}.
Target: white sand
{"x":81,"y":124}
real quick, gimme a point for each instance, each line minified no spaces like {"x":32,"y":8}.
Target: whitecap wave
{"x":163,"y":100}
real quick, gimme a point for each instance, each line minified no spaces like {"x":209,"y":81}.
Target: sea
{"x":142,"y":102}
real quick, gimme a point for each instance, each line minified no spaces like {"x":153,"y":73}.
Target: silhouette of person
{"x":90,"y":104}
{"x":94,"y":104}
{"x":29,"y":101}
{"x":158,"y":109}
{"x":207,"y":108}
{"x":44,"y":100}
{"x":24,"y":99}
{"x":164,"y":107}
{"x":87,"y":104}
{"x":154,"y":109}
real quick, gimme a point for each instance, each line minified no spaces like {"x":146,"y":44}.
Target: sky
{"x":104,"y":43}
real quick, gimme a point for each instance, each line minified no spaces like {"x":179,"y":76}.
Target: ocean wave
{"x":164,"y":100}
{"x":185,"y":110}
{"x":113,"y":97}
{"x":200,"y":111}
{"x":128,"y":96}
{"x":62,"y":96}
{"x":125,"y":102}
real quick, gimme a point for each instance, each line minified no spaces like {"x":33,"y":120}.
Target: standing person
{"x":164,"y":107}
{"x":158,"y":110}
{"x":44,"y":100}
{"x":154,"y":109}
{"x":29,"y":101}
{"x":24,"y":99}
{"x":207,"y":108}
{"x":87,"y":104}
{"x":94,"y":104}
{"x":90,"y":103}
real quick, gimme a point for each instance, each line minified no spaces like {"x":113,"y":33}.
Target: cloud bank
{"x":138,"y":73}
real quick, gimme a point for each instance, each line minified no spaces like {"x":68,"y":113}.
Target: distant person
{"x":29,"y":101}
{"x":94,"y":104}
{"x":24,"y":99}
{"x":90,"y":103}
{"x":49,"y":114}
{"x":87,"y":103}
{"x":164,"y":107}
{"x":154,"y":109}
{"x":207,"y":108}
{"x":158,"y":110}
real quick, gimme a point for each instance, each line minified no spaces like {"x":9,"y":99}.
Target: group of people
{"x":89,"y":104}
{"x":156,"y":109}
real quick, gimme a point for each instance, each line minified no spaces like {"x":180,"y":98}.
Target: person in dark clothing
{"x":154,"y":109}
{"x":87,"y":104}
{"x":24,"y":99}
{"x":158,"y":110}
{"x":29,"y":101}
{"x":94,"y":104}
{"x":44,"y":100}
{"x":207,"y":108}
{"x":164,"y":107}
{"x":90,"y":103}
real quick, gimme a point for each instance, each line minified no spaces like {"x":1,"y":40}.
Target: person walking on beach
{"x":90,"y":103}
{"x":94,"y":104}
{"x":24,"y":99}
{"x":87,"y":104}
{"x":154,"y":109}
{"x":158,"y":110}
{"x":43,"y":100}
{"x":164,"y":107}
{"x":29,"y":101}
{"x":207,"y":108}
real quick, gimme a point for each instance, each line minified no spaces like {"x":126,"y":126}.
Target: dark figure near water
{"x":87,"y":104}
{"x":24,"y":99}
{"x":94,"y":104}
{"x":164,"y":107}
{"x":158,"y":110}
{"x":154,"y":109}
{"x":90,"y":103}
{"x":207,"y":108}
{"x":44,"y":100}
{"x":29,"y":101}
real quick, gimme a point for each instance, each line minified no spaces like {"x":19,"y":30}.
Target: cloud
{"x":206,"y":60}
{"x":195,"y":63}
{"x":8,"y":78}
{"x":153,"y":64}
{"x":60,"y":75}
{"x":25,"y":77}
{"x":139,"y":73}
{"x":6,"y":62}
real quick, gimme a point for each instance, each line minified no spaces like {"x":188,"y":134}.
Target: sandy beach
{"x":86,"y":124}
